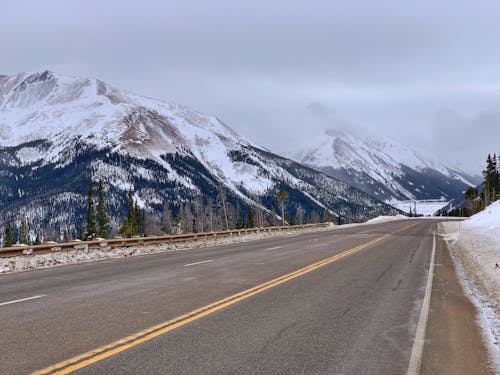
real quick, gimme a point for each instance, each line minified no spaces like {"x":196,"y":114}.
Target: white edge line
{"x":203,"y":261}
{"x":274,"y":248}
{"x":22,"y":300}
{"x":418,"y":344}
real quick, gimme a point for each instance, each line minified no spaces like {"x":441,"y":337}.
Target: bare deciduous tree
{"x":222,"y":199}
{"x":299,"y":215}
{"x":282,"y":195}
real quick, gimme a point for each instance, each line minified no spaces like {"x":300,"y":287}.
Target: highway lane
{"x":357,"y":313}
{"x":355,"y":316}
{"x":92,"y":304}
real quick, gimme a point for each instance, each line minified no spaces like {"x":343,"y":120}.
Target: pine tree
{"x":239,"y":223}
{"x":131,"y":215}
{"x":491,"y":180}
{"x":101,"y":216}
{"x":23,"y":233}
{"x":497,"y":187}
{"x":139,"y":220}
{"x":494,"y":177}
{"x":250,"y":218}
{"x":129,"y":226}
{"x":9,"y":237}
{"x":471,"y":195}
{"x":125,"y":228}
{"x":327,"y":217}
{"x":90,"y":231}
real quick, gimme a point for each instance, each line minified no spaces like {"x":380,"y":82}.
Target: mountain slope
{"x":59,"y":133}
{"x":383,"y":168}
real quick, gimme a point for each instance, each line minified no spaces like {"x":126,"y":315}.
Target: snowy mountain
{"x":383,"y":168}
{"x":58,"y":133}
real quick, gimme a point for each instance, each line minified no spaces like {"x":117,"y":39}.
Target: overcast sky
{"x":426,"y":73}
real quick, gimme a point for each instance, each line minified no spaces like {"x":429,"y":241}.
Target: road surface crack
{"x":383,"y":273}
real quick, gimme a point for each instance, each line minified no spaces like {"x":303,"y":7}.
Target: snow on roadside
{"x":383,"y":219}
{"x":475,"y":247}
{"x":82,"y":254}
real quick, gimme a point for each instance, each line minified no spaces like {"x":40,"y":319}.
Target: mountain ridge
{"x":79,"y":130}
{"x":382,"y":167}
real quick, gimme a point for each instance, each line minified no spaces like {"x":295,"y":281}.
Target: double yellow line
{"x":116,"y":347}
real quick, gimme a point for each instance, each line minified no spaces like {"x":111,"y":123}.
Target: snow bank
{"x":382,"y":219}
{"x":489,"y":220}
{"x":475,"y":247}
{"x":85,"y":255}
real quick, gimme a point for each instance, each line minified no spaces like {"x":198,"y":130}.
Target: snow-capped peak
{"x":46,"y":105}
{"x":63,"y":110}
{"x":383,"y":161}
{"x":339,"y":149}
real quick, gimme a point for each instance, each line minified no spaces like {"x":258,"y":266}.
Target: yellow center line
{"x":96,"y":355}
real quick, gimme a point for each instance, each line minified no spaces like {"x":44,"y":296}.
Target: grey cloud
{"x":471,"y":148}
{"x":375,"y":66}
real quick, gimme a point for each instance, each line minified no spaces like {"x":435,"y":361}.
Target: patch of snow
{"x":119,"y":176}
{"x":383,"y":219}
{"x":29,"y":155}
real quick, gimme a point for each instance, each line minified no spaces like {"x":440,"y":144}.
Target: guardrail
{"x":48,"y":247}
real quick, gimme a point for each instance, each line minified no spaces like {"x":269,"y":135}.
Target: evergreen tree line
{"x":200,"y":215}
{"x":490,"y":188}
{"x":96,"y":223}
{"x":21,"y":237}
{"x":134,"y":222}
{"x":96,"y":219}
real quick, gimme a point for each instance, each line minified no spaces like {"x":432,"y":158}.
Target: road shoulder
{"x":454,"y":344}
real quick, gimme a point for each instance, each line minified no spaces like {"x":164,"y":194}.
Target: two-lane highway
{"x":345,"y":301}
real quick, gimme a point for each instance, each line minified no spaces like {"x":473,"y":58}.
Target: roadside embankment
{"x":475,"y":247}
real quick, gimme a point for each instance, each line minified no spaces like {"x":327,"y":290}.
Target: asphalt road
{"x":355,"y":315}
